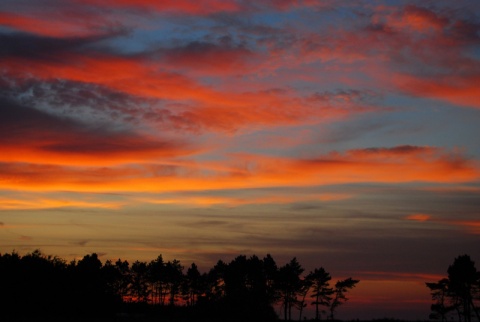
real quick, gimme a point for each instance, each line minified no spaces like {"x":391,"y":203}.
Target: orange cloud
{"x":249,"y":171}
{"x":400,"y":164}
{"x":418,"y":217}
{"x":45,"y":203}
{"x":72,"y":153}
{"x":472,"y":226}
{"x":207,"y":201}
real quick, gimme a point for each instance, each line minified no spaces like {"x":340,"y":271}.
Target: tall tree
{"x":140,"y":289}
{"x":192,"y":286}
{"x":306,"y":285}
{"x":216,"y":281}
{"x":157,"y":277}
{"x":174,"y":278}
{"x":289,"y":284}
{"x":459,"y":292}
{"x":321,"y":290}
{"x":339,"y":297}
{"x":114,"y":281}
{"x":271,"y":276}
{"x":439,"y":294}
{"x":464,"y":286}
{"x":90,"y":286}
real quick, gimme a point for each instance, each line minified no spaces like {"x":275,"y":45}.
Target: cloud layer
{"x":343,"y":133}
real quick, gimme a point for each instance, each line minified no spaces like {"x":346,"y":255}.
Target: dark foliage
{"x":458,"y":295}
{"x":39,"y":287}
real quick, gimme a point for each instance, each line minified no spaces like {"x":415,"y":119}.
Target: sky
{"x":343,"y":133}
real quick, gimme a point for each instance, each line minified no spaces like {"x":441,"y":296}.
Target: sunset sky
{"x":345,"y":133}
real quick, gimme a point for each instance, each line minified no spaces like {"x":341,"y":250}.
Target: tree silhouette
{"x":89,"y":284}
{"x":289,"y":285}
{"x":174,"y":279}
{"x":439,"y":295}
{"x":341,"y":287}
{"x":271,"y":276}
{"x":122,"y":279}
{"x":192,"y":286}
{"x":306,"y":285}
{"x":139,"y":287}
{"x":156,"y":269}
{"x":460,"y":291}
{"x":464,"y":283}
{"x":321,"y":290}
{"x":113,"y":279}
{"x":216,"y":281}
{"x":247,"y":288}
{"x":246,"y":292}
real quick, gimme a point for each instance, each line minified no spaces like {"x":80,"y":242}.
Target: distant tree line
{"x":247,"y":288}
{"x":457,"y":295}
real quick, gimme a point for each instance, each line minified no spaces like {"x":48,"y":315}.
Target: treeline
{"x":247,"y":288}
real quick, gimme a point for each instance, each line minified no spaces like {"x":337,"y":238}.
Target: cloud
{"x":82,"y":243}
{"x":395,"y":151}
{"x":29,"y":135}
{"x":37,"y":203}
{"x":60,"y":23}
{"x":210,"y":58}
{"x":472,"y":227}
{"x":418,"y":217}
{"x":202,"y":104}
{"x":456,"y":89}
{"x":398,"y":164}
{"x":416,"y":18}
{"x":418,"y":51}
{"x":431,"y":51}
{"x":170,"y":6}
{"x":209,"y":199}
{"x":273,"y":126}
{"x":252,"y":171}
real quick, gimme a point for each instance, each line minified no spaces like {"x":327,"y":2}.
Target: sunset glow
{"x":345,"y":133}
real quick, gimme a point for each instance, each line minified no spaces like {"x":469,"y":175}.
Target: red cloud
{"x":195,"y":104}
{"x":210,"y":58}
{"x":28,"y":135}
{"x":63,"y":22}
{"x":460,"y":90}
{"x":417,"y":18}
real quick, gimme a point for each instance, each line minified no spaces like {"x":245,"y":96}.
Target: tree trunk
{"x":302,"y":303}
{"x":475,"y":309}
